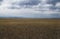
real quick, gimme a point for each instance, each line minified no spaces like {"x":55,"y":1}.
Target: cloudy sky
{"x":30,"y":8}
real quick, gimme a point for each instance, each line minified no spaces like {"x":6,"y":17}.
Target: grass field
{"x":15,"y":28}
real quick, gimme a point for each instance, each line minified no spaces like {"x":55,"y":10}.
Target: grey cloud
{"x":13,"y":8}
{"x":53,"y":8}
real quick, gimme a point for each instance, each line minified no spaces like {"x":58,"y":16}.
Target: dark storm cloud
{"x":55,"y":15}
{"x":1,"y":0}
{"x":26,"y":3}
{"x":53,"y":2}
{"x":35,"y":2}
{"x":30,"y":2}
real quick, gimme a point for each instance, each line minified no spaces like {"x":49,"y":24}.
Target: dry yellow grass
{"x":29,"y":28}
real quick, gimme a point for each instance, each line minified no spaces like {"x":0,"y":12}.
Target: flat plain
{"x":26,"y":28}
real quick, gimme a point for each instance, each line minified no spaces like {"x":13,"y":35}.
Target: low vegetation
{"x":15,"y":28}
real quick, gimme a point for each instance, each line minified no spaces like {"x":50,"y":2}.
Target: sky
{"x":30,"y":8}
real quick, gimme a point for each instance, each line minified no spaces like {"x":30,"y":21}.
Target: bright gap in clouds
{"x":30,"y":8}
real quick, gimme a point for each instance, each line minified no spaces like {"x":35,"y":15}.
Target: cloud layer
{"x":30,"y":8}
